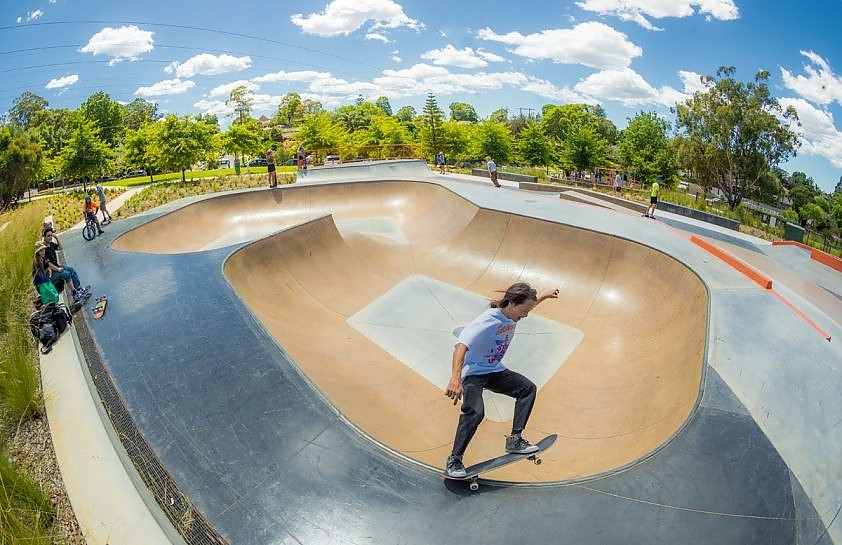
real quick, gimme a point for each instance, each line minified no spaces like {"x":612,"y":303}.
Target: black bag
{"x":48,"y":323}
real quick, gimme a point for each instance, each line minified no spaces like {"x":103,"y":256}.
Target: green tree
{"x":801,"y":195}
{"x":26,"y":109}
{"x":384,"y":105}
{"x":406,"y":114}
{"x":321,"y":131}
{"x":290,"y":111}
{"x":139,"y":149}
{"x":585,"y":149}
{"x":21,"y":159}
{"x":85,"y":154}
{"x":814,"y":213}
{"x":456,"y":139}
{"x":431,"y":123}
{"x":244,"y":138}
{"x":736,"y":132}
{"x":181,"y":142}
{"x":139,"y":112}
{"x":644,"y":147}
{"x":533,"y":146}
{"x":241,"y":99}
{"x":500,"y":115}
{"x":357,"y":117}
{"x":493,"y":140}
{"x":462,"y":111}
{"x":106,"y":115}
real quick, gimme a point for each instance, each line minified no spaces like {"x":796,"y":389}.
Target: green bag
{"x":48,"y":293}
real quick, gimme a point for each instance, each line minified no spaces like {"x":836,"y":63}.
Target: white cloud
{"x":377,"y":36}
{"x":206,"y":64}
{"x":32,"y":15}
{"x":303,"y":75}
{"x":692,"y":82}
{"x":214,"y":107}
{"x":463,"y":58}
{"x":166,"y":87}
{"x":60,"y":83}
{"x":819,"y":134}
{"x":820,"y":85}
{"x":638,"y":11}
{"x":342,"y":17}
{"x":628,"y":88}
{"x":590,"y":44}
{"x":121,"y":44}
{"x":19,"y":20}
{"x":225,"y":89}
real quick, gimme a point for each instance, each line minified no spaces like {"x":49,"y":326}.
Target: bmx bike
{"x":89,"y":231}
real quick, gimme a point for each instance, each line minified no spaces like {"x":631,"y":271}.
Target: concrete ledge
{"x":747,"y":270}
{"x":815,"y":254}
{"x":510,"y":176}
{"x":728,"y":223}
{"x":639,"y":207}
{"x":106,"y":500}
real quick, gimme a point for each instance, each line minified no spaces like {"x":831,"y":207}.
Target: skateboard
{"x":99,"y":308}
{"x":474,"y":471}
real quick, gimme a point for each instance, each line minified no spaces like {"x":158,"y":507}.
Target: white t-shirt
{"x":492,"y":166}
{"x":487,"y":338}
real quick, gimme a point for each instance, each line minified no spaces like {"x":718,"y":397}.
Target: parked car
{"x":291,"y":162}
{"x":224,"y":162}
{"x":332,"y":159}
{"x":258,"y":162}
{"x":134,"y":173}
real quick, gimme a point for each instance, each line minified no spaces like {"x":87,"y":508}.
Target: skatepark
{"x":273,"y":363}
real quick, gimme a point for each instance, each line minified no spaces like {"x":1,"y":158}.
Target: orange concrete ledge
{"x":761,"y":279}
{"x":815,"y":254}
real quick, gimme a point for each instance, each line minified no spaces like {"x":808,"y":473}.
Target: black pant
{"x":473,"y":409}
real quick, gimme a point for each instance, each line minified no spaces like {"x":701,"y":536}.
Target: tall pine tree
{"x":431,"y":127}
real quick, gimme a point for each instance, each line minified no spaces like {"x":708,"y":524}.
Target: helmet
{"x":87,"y":197}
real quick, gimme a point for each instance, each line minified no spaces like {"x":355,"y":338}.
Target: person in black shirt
{"x":65,"y":272}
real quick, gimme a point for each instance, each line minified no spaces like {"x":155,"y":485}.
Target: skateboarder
{"x":477,"y":365}
{"x":653,"y":198}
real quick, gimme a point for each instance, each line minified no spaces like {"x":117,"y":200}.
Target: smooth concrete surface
{"x":106,"y":502}
{"x":264,"y":452}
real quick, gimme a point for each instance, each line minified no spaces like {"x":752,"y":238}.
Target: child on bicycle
{"x":90,"y":209}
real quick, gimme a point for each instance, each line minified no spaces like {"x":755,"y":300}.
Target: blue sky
{"x":627,"y":55}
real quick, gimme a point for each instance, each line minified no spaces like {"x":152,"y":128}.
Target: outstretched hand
{"x":551,"y":294}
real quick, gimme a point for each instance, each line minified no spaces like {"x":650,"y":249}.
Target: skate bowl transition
{"x":365,"y":286}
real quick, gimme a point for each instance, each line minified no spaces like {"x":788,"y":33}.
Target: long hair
{"x":515,"y":295}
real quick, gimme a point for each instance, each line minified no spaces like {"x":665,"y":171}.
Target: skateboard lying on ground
{"x":474,"y":471}
{"x":99,"y":308}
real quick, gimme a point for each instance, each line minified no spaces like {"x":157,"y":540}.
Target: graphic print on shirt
{"x":501,"y":343}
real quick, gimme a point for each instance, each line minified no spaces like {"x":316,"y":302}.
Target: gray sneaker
{"x":455,"y":468}
{"x":516,"y":444}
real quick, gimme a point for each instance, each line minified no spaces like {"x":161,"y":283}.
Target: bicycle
{"x":90,"y":229}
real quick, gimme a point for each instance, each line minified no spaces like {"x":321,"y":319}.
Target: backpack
{"x":48,"y":323}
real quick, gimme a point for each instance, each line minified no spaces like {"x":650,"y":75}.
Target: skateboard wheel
{"x":474,"y":487}
{"x":537,"y":461}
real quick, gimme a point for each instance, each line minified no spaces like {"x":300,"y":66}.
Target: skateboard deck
{"x":99,"y":308}
{"x":474,"y":471}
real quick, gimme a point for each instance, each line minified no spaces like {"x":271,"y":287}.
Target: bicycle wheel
{"x":89,"y":231}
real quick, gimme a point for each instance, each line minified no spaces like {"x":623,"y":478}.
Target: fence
{"x":826,"y":243}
